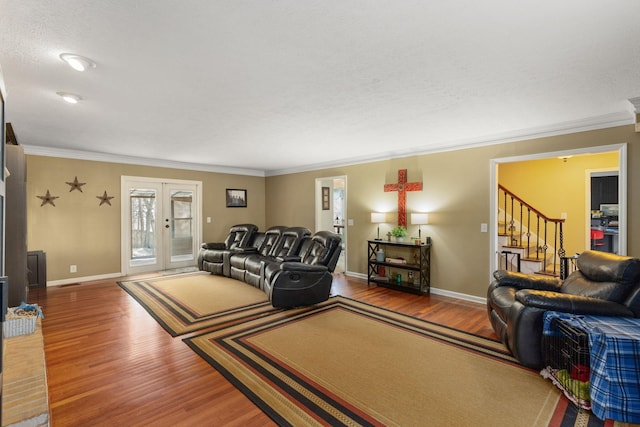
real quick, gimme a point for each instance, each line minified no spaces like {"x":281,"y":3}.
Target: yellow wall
{"x":554,"y":186}
{"x":79,"y":231}
{"x":456,"y":193}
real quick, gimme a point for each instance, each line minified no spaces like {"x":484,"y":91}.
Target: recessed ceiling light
{"x":71,"y":98}
{"x":77,"y":62}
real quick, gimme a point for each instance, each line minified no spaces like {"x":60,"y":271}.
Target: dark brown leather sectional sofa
{"x":292,"y":266}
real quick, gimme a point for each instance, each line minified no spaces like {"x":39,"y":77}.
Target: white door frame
{"x":622,"y":192}
{"x":125,"y":231}
{"x":318,"y":209}
{"x":589,"y":173}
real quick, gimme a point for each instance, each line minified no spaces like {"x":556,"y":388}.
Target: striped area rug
{"x":344,"y":362}
{"x":185,"y":303}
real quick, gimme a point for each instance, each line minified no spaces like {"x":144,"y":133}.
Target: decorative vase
{"x":399,"y":239}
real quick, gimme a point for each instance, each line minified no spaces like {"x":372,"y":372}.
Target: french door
{"x":161,"y":224}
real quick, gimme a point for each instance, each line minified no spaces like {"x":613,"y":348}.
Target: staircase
{"x":530,"y":241}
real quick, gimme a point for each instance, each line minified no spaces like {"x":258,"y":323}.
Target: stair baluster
{"x":517,"y":218}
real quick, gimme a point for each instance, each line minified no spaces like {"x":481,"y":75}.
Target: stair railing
{"x":568,"y":265}
{"x":516,"y":209}
{"x":511,"y":261}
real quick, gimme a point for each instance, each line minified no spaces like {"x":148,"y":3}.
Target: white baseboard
{"x":83,"y":279}
{"x":437,"y":291}
{"x":458,"y":295}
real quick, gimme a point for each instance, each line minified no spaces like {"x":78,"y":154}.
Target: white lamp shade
{"x":378,"y":217}
{"x":419,"y":218}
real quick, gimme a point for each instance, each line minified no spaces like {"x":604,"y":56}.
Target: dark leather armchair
{"x":214,"y":257}
{"x":287,"y":246}
{"x":604,"y":284}
{"x":306,"y":280}
{"x":263,"y":244}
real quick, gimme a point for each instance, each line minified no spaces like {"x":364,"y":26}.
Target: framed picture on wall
{"x":236,"y":198}
{"x":326,"y":205}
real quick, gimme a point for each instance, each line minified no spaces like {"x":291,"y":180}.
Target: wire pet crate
{"x":566,"y":352}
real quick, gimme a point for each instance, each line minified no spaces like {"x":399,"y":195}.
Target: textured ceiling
{"x":283,"y":85}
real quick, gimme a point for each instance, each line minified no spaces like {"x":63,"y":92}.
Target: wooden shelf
{"x":383,"y":273}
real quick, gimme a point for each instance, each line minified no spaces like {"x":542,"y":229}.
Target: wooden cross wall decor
{"x":402,"y":187}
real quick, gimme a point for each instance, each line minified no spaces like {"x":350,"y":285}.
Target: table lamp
{"x":419,"y":219}
{"x":378,"y":218}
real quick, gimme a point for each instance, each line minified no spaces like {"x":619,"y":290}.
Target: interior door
{"x":602,"y":210}
{"x":620,"y":150}
{"x":331,"y":214}
{"x":161,"y":226}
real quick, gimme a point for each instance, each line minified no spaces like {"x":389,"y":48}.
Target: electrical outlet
{"x":73,"y":268}
{"x":483,"y":227}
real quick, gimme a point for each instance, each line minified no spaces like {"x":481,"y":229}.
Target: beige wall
{"x":554,"y":186}
{"x":79,"y":231}
{"x":456,"y":193}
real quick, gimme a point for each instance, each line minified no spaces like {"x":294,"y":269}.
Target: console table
{"x":405,"y":266}
{"x":614,"y":349}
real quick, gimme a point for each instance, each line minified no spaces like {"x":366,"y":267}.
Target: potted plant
{"x":399,"y":233}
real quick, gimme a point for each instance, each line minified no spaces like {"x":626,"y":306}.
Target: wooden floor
{"x":110,"y":364}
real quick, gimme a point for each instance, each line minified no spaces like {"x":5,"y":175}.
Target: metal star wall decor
{"x":105,"y":199}
{"x":48,"y":199}
{"x":75,"y":185}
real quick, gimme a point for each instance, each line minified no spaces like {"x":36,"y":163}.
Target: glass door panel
{"x":180,"y":225}
{"x":144,"y":236}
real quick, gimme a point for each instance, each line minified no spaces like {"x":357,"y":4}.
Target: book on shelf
{"x":395,"y":261}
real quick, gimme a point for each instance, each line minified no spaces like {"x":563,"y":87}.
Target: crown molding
{"x":636,"y":104}
{"x":36,"y":150}
{"x":620,"y":118}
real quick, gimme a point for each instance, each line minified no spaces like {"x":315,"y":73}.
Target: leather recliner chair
{"x":263,"y":244}
{"x":214,"y":257}
{"x":604,"y":284}
{"x":287,"y":246}
{"x":306,"y":280}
